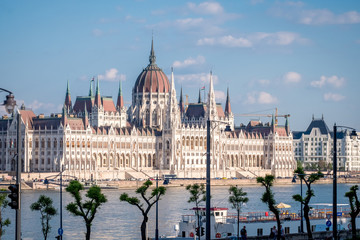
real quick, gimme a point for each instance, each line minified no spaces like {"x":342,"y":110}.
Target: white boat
{"x":224,"y":224}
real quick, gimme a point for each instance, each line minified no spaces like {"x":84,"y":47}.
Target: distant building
{"x":314,"y":147}
{"x":158,"y":134}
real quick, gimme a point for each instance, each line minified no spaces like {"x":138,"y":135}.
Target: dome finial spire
{"x":152,"y":57}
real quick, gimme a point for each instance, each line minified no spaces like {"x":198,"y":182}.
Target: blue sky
{"x":299,"y":56}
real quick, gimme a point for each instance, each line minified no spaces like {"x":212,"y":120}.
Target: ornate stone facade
{"x":96,"y":139}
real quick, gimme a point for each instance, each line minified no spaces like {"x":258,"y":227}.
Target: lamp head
{"x":227,"y":128}
{"x":9,"y":103}
{"x":353,"y":134}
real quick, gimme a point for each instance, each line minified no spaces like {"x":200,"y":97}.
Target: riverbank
{"x":126,"y":184}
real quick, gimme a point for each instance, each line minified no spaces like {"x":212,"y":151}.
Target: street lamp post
{"x":208,"y":159}
{"x":301,"y":212}
{"x":10,"y":104}
{"x":61,"y":222}
{"x":335,"y":185}
{"x":208,"y":225}
{"x":18,"y":176}
{"x":157,"y":212}
{"x":301,"y":205}
{"x":353,"y":134}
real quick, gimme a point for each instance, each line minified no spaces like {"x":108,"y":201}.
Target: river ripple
{"x":119,"y":220}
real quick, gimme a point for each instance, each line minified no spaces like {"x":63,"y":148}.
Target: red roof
{"x":108,"y":104}
{"x":27,"y":117}
{"x":152,"y":79}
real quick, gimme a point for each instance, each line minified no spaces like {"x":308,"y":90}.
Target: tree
{"x":236,"y":199}
{"x":268,"y":198}
{"x":47,"y":211}
{"x":355,"y":207}
{"x":149,"y":200}
{"x":197,"y":195}
{"x":3,"y":205}
{"x":308,"y":179}
{"x":86,"y":209}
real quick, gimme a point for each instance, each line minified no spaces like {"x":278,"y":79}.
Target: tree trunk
{"x":307,"y":221}
{"x":238,"y":224}
{"x":143,"y":227}
{"x":0,"y":225}
{"x":353,"y":227}
{"x":46,"y":229}
{"x":278,"y":223}
{"x":88,"y":231}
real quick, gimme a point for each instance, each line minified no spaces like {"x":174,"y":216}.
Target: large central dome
{"x":152,"y":78}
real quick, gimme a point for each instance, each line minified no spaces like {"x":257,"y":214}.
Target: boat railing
{"x":315,"y":213}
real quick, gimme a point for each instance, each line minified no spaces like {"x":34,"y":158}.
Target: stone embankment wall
{"x":316,"y":236}
{"x":216,"y":182}
{"x":127,"y":184}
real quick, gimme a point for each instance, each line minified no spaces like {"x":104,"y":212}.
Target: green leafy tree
{"x":3,"y":205}
{"x":197,"y":195}
{"x":308,"y":180}
{"x":268,"y":198}
{"x":355,"y":208}
{"x":237,"y":199}
{"x":149,"y":200}
{"x":88,"y":208}
{"x":45,"y":206}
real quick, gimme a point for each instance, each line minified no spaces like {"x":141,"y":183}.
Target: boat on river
{"x":224,"y":224}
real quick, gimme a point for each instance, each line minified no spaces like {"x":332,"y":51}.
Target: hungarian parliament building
{"x":95,"y":138}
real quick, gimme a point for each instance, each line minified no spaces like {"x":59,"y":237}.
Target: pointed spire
{"x":172,"y":79}
{"x":67,"y":102}
{"x":64,"y":115}
{"x":97,"y":95}
{"x":273,"y":123}
{"x":199,"y":98}
{"x":86,"y":119}
{"x":211,"y":83}
{"x":313,"y":117}
{"x":227,"y":104}
{"x":120,"y":100}
{"x":91,"y":89}
{"x":152,"y":57}
{"x":181,"y":102}
{"x":287,"y":129}
{"x":211,"y":101}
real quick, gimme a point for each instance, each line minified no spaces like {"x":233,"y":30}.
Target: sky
{"x":302,"y":57}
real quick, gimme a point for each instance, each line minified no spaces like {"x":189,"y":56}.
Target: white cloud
{"x":189,"y":22}
{"x":196,"y":79}
{"x":97,"y":32}
{"x":322,"y":17}
{"x":189,"y":62}
{"x":266,"y":98}
{"x":220,"y":95}
{"x":249,"y":40}
{"x":333,"y":97}
{"x":335,"y":81}
{"x":295,"y":11}
{"x":112,"y":75}
{"x":278,"y":38}
{"x":264,"y":82}
{"x":211,"y":8}
{"x":227,"y":41}
{"x":37,"y":105}
{"x":292,"y":77}
{"x":256,"y":1}
{"x":260,"y":98}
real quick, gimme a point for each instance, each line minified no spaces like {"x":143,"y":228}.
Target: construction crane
{"x":276,"y":115}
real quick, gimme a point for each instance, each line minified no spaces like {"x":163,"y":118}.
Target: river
{"x":119,"y":220}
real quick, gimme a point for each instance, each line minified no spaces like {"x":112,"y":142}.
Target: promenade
{"x":178,"y":182}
